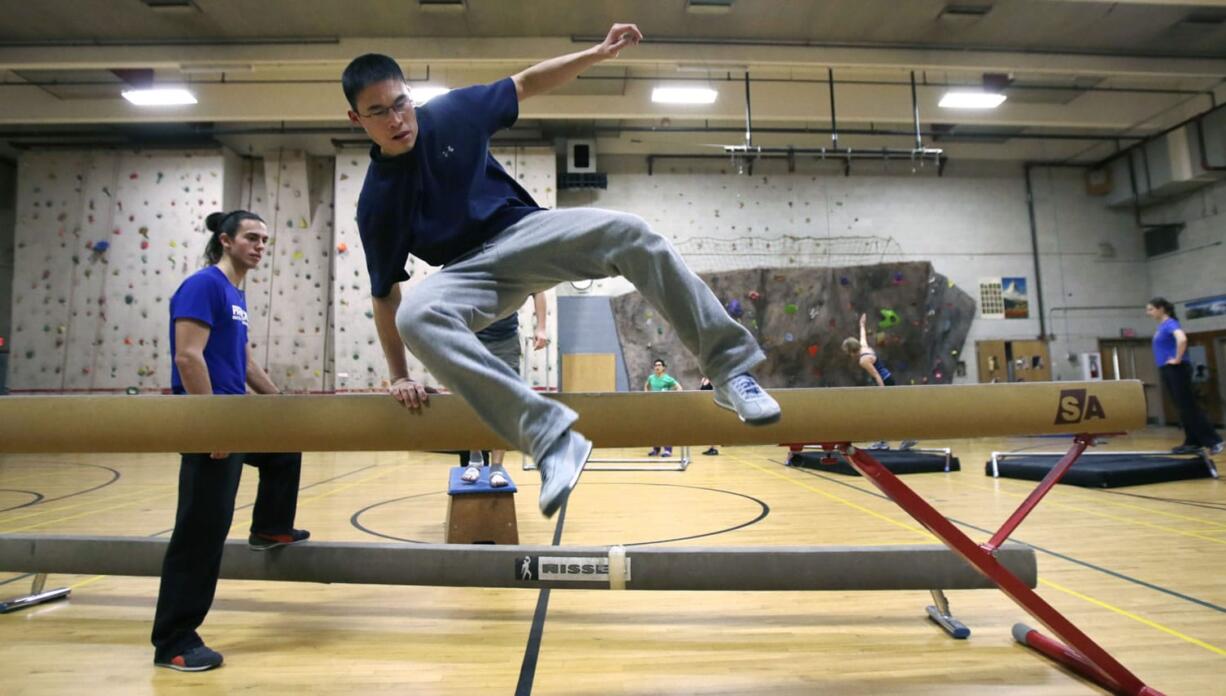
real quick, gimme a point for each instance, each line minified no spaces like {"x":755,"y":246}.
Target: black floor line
{"x":167,"y":531}
{"x":532,"y":651}
{"x":115,"y":475}
{"x":1173,"y":501}
{"x":1055,"y":554}
{"x":35,"y":497}
{"x":763,"y":510}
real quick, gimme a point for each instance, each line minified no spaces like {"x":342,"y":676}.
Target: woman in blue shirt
{"x":210,"y":355}
{"x":1170,"y":344}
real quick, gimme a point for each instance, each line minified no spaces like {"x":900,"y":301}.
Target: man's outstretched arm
{"x":555,"y":72}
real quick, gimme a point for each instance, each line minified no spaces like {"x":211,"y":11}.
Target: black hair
{"x":366,"y":70}
{"x":224,"y":223}
{"x":1165,"y":305}
{"x":658,"y":360}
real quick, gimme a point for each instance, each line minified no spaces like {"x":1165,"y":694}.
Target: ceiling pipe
{"x":918,"y":48}
{"x":926,"y":84}
{"x":337,"y":130}
{"x":834,"y":121}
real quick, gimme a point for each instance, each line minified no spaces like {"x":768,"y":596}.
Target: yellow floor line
{"x":1048,"y":501}
{"x":1122,"y":612}
{"x":1072,"y":491}
{"x":90,"y":581}
{"x":909,"y":527}
{"x":98,"y":578}
{"x":52,"y":508}
{"x":1141,"y":619}
{"x":140,"y":497}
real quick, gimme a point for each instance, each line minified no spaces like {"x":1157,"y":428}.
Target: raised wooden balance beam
{"x":833,"y":418}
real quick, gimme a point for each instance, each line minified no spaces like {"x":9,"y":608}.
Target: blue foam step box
{"x":455,"y":486}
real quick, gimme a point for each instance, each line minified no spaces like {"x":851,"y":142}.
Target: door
{"x":1030,"y":361}
{"x":993,"y":364}
{"x":1219,"y":354}
{"x":1135,"y":360}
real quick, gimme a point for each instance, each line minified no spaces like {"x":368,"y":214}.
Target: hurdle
{"x":681,"y":463}
{"x":831,"y":418}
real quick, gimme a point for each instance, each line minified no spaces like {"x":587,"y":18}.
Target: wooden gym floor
{"x":1142,"y":570}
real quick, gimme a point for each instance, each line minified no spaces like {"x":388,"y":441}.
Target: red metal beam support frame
{"x":1078,"y":651}
{"x":1080,"y":443}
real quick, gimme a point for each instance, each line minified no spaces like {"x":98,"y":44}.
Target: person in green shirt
{"x":659,"y":381}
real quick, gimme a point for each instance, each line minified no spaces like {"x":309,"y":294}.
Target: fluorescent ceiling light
{"x":971,"y":100}
{"x":163,"y":96}
{"x":683,"y":95}
{"x":425,"y":93}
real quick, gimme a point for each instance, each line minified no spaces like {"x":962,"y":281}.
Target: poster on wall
{"x":1013,"y":291}
{"x":991,"y":299}
{"x":1207,"y":307}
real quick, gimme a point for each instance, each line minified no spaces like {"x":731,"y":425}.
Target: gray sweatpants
{"x":437,"y":317}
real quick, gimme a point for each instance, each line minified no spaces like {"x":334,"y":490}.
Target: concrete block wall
{"x":83,"y":319}
{"x":971,"y":223}
{"x":1198,"y":269}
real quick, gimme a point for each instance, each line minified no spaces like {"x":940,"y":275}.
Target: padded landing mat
{"x":1106,"y":470}
{"x":899,"y":462}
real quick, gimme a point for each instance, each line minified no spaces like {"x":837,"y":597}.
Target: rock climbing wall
{"x":288,"y":296}
{"x":917,"y":321}
{"x":103,"y":238}
{"x":359,"y":358}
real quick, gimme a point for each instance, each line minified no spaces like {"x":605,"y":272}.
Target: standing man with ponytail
{"x":210,"y":355}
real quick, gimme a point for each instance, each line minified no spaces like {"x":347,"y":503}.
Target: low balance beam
{"x":771,"y":568}
{"x":374,"y":422}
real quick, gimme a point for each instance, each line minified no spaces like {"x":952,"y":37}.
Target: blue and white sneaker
{"x":560,"y":469}
{"x":751,"y":403}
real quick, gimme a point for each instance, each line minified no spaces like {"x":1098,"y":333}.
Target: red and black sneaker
{"x":259,"y":541}
{"x":197,"y":659}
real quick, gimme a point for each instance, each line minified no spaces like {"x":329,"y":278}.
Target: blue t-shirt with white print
{"x":447,"y":195}
{"x":208,"y":297}
{"x":1165,"y":346}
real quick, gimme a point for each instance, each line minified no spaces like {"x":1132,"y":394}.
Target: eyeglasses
{"x":382,"y":113}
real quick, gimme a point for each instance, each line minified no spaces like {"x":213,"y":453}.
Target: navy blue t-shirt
{"x":501,"y":330}
{"x":447,"y":195}
{"x":1164,"y":341}
{"x":882,"y":369}
{"x":208,"y":297}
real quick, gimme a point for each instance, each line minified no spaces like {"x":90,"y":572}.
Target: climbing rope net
{"x":785,"y":251}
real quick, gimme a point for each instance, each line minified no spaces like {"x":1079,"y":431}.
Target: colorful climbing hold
{"x":889,"y":319}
